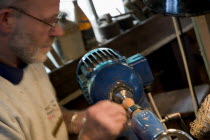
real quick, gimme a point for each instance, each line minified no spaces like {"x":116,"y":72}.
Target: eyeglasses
{"x":53,"y":24}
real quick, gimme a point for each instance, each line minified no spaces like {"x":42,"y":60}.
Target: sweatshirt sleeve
{"x":8,"y":133}
{"x":10,"y":124}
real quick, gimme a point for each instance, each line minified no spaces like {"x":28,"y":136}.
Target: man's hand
{"x":104,"y":121}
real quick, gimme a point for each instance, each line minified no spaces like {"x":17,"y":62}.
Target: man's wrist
{"x":73,"y":119}
{"x":84,"y":135}
{"x":76,"y":121}
{"x":71,"y":125}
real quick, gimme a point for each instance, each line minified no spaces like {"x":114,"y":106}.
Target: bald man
{"x":28,"y":106}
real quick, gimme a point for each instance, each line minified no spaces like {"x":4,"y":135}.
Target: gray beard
{"x":25,"y":47}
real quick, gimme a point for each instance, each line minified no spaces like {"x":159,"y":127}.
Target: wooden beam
{"x":202,"y":29}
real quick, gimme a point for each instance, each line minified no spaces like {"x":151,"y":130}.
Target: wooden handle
{"x":127,"y":102}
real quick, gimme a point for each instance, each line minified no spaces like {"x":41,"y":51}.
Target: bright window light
{"x":102,"y":7}
{"x":108,"y":6}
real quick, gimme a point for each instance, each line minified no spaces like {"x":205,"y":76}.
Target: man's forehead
{"x":37,"y":3}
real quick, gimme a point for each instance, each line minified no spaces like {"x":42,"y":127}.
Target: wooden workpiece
{"x":127,"y":102}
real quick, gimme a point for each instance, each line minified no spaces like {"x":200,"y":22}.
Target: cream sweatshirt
{"x":29,"y":110}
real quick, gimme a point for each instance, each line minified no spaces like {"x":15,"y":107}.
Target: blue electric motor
{"x":104,"y":74}
{"x":103,"y":70}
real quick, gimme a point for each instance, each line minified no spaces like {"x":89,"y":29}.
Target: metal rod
{"x":155,"y":108}
{"x":93,"y":10}
{"x":118,"y":11}
{"x":157,"y":112}
{"x":184,"y":45}
{"x":192,"y":92}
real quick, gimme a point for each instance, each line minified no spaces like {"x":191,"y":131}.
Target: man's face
{"x":31,"y":39}
{"x":28,"y":46}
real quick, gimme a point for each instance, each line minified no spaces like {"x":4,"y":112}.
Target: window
{"x":101,"y":6}
{"x":108,"y":6}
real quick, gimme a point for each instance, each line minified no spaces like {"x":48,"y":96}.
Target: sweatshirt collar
{"x":14,"y":75}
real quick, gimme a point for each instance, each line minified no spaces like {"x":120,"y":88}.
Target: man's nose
{"x":56,"y":31}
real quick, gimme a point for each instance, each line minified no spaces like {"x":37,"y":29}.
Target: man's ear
{"x":6,"y":21}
